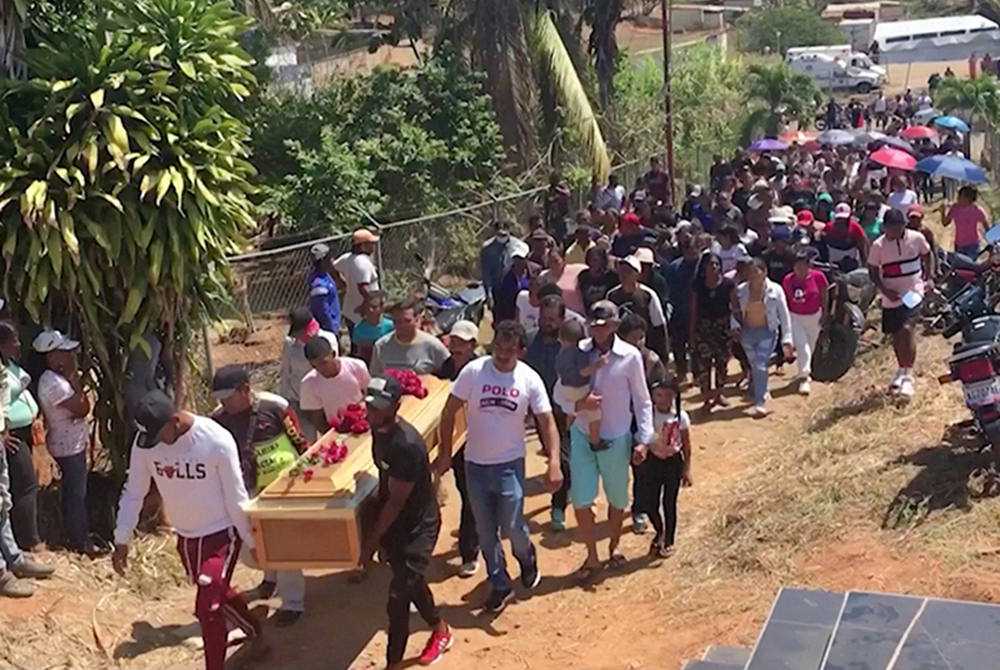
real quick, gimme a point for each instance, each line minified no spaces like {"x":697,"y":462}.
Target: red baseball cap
{"x":805,"y":217}
{"x":915,"y":209}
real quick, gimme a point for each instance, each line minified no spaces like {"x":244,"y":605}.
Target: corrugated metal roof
{"x":928,"y":27}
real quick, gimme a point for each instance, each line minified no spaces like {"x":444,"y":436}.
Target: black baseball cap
{"x":228,"y":380}
{"x":152,"y":414}
{"x":383,"y":392}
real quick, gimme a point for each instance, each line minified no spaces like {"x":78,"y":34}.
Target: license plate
{"x":982,"y":393}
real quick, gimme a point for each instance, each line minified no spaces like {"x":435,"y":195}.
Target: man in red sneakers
{"x":196,"y":466}
{"x":408,"y":522}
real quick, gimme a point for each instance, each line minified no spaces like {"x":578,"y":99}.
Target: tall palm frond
{"x":980,"y":97}
{"x":13,"y":15}
{"x":500,"y":48}
{"x":776,"y":91}
{"x":579,"y":112}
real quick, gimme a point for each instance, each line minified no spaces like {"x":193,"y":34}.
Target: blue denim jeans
{"x":758,"y":343}
{"x":496,"y":493}
{"x":10,"y":553}
{"x":74,"y":500}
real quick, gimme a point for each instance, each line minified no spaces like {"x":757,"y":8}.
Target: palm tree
{"x":500,"y":48}
{"x":979,"y":97}
{"x":570,"y":91}
{"x":603,"y":16}
{"x":775,"y":92}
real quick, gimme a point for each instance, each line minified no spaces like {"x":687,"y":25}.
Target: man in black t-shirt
{"x":408,"y":522}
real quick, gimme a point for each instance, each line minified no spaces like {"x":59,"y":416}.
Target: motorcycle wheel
{"x":834,"y":353}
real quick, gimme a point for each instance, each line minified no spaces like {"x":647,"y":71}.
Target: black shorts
{"x":894,"y":318}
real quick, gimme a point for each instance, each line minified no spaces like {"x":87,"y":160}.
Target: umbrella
{"x":894,"y":158}
{"x":952,"y":123}
{"x":896,"y":143}
{"x":797,"y":137}
{"x":918,"y":133}
{"x":835,"y":137}
{"x":925,"y":115}
{"x":953,"y":167}
{"x":768,"y":144}
{"x":863,"y":137}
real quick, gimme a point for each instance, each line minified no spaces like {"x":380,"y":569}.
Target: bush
{"x":778,"y":29}
{"x":393,"y":144}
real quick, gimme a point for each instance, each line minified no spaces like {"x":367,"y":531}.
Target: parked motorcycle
{"x":446,"y":307}
{"x":852,"y":294}
{"x":975,"y":361}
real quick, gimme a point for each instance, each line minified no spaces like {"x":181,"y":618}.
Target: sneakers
{"x":286,"y":618}
{"x":758,"y":411}
{"x":468,"y":569}
{"x":804,"y":386}
{"x":906,"y":389}
{"x":28,"y":568}
{"x":498,"y":600}
{"x":897,"y":381}
{"x":262,"y":591}
{"x":530,"y":576}
{"x":436,"y":646}
{"x":639,"y":526}
{"x":12,"y":587}
{"x":558,"y":519}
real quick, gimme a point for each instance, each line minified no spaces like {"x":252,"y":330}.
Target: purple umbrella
{"x":896,"y":143}
{"x":768,"y":144}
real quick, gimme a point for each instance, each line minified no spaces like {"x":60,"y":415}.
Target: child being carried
{"x":575,"y":371}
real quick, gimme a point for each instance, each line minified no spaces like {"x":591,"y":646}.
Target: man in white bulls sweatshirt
{"x":195,"y":464}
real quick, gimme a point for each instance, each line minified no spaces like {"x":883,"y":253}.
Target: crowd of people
{"x":602,"y":319}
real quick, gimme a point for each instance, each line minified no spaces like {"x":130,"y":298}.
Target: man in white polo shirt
{"x":498,"y":391}
{"x":620,"y":391}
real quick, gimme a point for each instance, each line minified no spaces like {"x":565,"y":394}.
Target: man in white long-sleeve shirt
{"x":619,"y":390}
{"x":196,"y":466}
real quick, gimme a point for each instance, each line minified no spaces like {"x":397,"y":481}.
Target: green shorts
{"x":587,"y":467}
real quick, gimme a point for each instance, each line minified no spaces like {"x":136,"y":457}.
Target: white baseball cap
{"x":633,"y":263}
{"x":465,"y":330}
{"x":52,"y":340}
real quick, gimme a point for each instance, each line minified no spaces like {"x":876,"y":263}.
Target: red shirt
{"x":844,"y":242}
{"x":804,"y":295}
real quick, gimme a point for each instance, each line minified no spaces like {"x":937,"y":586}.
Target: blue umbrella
{"x":952,"y":123}
{"x":768,"y":144}
{"x":953,"y":167}
{"x":835,"y":137}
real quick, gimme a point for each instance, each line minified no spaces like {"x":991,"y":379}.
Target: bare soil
{"x":651,"y":614}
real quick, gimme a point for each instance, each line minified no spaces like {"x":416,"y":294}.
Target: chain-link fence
{"x":442,"y":246}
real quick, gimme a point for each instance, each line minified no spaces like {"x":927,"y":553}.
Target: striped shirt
{"x":899,"y":263}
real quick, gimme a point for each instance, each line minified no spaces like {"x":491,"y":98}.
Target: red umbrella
{"x":918,"y":133}
{"x":894,"y":158}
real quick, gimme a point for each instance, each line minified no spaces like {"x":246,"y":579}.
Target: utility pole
{"x":666,"y":9}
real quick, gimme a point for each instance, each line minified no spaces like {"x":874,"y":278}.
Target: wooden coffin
{"x":319,"y":523}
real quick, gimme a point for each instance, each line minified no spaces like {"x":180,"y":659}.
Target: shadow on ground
{"x":954,"y":473}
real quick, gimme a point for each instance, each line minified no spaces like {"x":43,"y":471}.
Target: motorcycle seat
{"x":966,"y":350}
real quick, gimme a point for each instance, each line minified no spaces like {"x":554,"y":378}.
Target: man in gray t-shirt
{"x":408,"y":347}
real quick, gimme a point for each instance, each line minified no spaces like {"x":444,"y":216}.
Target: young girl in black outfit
{"x":664,"y":466}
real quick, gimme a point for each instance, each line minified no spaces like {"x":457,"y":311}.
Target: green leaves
{"x":124,"y":215}
{"x":392,"y":144}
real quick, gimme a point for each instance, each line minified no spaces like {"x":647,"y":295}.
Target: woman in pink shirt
{"x":805,"y":288}
{"x":566,"y":276}
{"x":969,"y":218}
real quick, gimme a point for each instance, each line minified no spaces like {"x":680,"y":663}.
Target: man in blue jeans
{"x":498,"y":391}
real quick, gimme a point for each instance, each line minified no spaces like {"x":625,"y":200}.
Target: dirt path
{"x":562,"y":625}
{"x":717,"y":588}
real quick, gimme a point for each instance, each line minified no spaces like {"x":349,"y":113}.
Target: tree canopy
{"x":779,"y":28}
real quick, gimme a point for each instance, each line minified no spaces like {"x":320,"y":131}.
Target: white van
{"x":842,"y":51}
{"x":834,"y":74}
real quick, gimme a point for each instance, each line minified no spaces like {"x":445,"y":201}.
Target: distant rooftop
{"x":923,"y":28}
